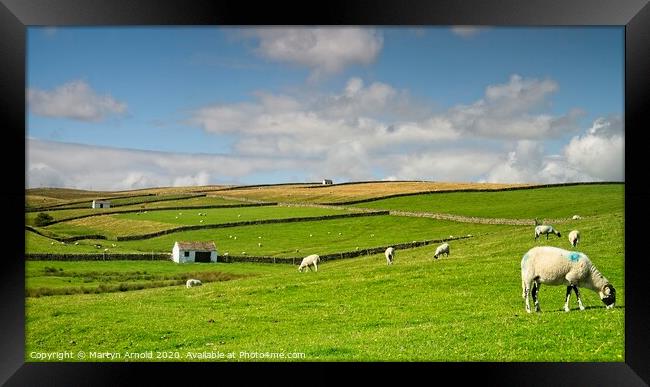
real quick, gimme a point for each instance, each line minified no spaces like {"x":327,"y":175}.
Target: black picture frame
{"x":17,"y":15}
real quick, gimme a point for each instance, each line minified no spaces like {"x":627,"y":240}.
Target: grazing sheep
{"x":308,"y":261}
{"x":193,"y":282}
{"x":574,"y":237}
{"x":442,"y":249}
{"x":545,"y":229}
{"x":390,"y":254}
{"x":576,"y":217}
{"x":555,"y":266}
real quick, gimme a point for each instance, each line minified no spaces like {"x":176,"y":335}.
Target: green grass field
{"x":196,"y":202}
{"x":552,"y":203}
{"x":126,"y":224}
{"x":465,"y":307}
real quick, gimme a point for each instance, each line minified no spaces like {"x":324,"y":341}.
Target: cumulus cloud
{"x":596,"y":155}
{"x":360,"y":132}
{"x":353,"y":132}
{"x":453,"y":165}
{"x":56,"y":164}
{"x":514,"y":111}
{"x":375,"y":116}
{"x":324,"y":50}
{"x":600,"y":152}
{"x":75,"y":100}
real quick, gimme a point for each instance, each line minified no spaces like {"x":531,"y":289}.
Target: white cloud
{"x":374,"y":115}
{"x":75,"y":100}
{"x":361,"y":132}
{"x":597,"y":155}
{"x":452,"y":165}
{"x":324,"y":50}
{"x":512,"y":111}
{"x":55,"y":164}
{"x":600,"y":152}
{"x":350,"y":133}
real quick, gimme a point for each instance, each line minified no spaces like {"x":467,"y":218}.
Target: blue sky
{"x":123,"y":108}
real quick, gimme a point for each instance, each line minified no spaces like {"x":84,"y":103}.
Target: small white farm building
{"x":327,"y":181}
{"x":184,"y":252}
{"x":101,"y":204}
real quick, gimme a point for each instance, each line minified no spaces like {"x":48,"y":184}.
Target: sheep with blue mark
{"x":545,"y":229}
{"x":555,"y":266}
{"x":390,"y":254}
{"x":442,"y":249}
{"x":574,"y":237}
{"x":308,"y":262}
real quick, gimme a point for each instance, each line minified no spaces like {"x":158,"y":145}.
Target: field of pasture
{"x":465,"y":307}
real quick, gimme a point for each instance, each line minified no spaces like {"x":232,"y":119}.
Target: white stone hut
{"x":101,"y":204}
{"x":327,"y":181}
{"x":184,"y":252}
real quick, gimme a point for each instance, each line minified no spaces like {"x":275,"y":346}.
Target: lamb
{"x":556,"y":266}
{"x":390,"y":254}
{"x":545,"y":229}
{"x":576,"y":217}
{"x":193,"y":282}
{"x":308,"y":261}
{"x":574,"y":237}
{"x":442,"y":249}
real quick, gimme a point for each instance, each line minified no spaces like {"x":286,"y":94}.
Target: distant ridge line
{"x":466,"y":190}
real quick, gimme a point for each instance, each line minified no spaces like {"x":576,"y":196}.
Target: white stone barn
{"x":184,"y":252}
{"x":327,"y":181}
{"x":101,"y":204}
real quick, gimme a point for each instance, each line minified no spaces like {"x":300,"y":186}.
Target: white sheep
{"x":574,"y":237}
{"x":545,"y":229}
{"x":308,"y":261}
{"x":193,"y":282}
{"x":576,"y":217}
{"x":390,"y":254}
{"x":442,"y":249}
{"x":556,"y":266}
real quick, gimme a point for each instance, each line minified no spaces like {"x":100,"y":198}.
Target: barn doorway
{"x":202,"y":256}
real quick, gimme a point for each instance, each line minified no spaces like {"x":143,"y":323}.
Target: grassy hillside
{"x":465,"y":307}
{"x":194,"y":202}
{"x":555,"y":202}
{"x":316,"y":193}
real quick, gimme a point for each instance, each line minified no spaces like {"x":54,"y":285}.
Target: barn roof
{"x":199,"y":246}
